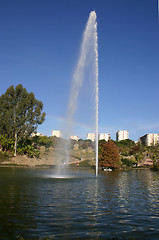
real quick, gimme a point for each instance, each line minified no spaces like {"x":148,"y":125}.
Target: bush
{"x":127,"y":162}
{"x":6,"y":143}
{"x":43,"y":141}
{"x":28,"y":150}
{"x":3,"y":156}
{"x":155,"y":166}
{"x":85,"y":163}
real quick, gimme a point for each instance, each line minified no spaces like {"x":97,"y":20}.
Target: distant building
{"x":150,"y":139}
{"x":104,"y":136}
{"x":37,"y":134}
{"x":91,"y":136}
{"x":122,"y":135}
{"x":57,"y":133}
{"x":74,"y":138}
{"x":101,"y":136}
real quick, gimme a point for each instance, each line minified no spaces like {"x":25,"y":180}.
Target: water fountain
{"x":88,"y":53}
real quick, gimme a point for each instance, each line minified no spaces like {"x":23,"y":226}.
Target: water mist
{"x":88,"y":58}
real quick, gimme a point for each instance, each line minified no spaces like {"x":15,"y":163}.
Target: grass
{"x":85,"y":163}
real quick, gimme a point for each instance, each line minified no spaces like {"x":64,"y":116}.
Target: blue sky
{"x":39,"y":48}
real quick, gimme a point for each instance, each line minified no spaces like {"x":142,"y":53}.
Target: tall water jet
{"x":88,"y":56}
{"x":97,"y":95}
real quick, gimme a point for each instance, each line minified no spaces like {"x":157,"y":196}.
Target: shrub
{"x":127,"y":162}
{"x":28,"y":150}
{"x":85,"y":163}
{"x":3,"y":156}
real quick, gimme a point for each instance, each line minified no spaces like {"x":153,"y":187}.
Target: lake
{"x":119,"y":204}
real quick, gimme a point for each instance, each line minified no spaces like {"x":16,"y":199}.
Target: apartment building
{"x":122,"y":135}
{"x":150,"y":139}
{"x":104,"y":136}
{"x":101,"y":136}
{"x":91,"y":136}
{"x":74,"y":138}
{"x":57,"y":133}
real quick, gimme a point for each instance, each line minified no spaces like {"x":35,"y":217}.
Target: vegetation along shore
{"x":20,"y":115}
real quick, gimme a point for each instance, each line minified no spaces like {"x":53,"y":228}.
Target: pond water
{"x":118,"y":204}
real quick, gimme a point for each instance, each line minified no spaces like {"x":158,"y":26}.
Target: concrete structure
{"x":150,"y":139}
{"x":74,"y":138}
{"x":37,"y":134}
{"x":104,"y":136}
{"x":122,"y":135}
{"x":101,"y":136}
{"x":91,"y":136}
{"x":57,"y":133}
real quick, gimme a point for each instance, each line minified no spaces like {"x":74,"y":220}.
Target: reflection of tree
{"x":108,"y":154}
{"x":16,"y":210}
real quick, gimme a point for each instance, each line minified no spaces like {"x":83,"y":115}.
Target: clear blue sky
{"x":39,"y":47}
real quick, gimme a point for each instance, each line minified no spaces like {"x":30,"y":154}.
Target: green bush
{"x":6,"y":143}
{"x":28,"y":150}
{"x":43,"y":141}
{"x":85,"y":163}
{"x":3,"y":156}
{"x":127,"y":162}
{"x":155,"y":166}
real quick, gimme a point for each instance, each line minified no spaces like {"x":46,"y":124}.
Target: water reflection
{"x":152,"y":183}
{"x":118,"y":204}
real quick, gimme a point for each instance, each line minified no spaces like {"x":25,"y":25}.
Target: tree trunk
{"x":15,"y":145}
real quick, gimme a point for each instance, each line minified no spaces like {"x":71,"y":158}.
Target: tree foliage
{"x":6,"y":144}
{"x":108,"y":154}
{"x":20,"y":113}
{"x":135,"y":149}
{"x":128,"y":162}
{"x":125,"y":146}
{"x":43,"y":141}
{"x":84,"y":144}
{"x":125,"y":143}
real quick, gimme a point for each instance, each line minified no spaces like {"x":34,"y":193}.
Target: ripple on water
{"x":38,"y":203}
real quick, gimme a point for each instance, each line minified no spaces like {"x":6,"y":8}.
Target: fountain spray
{"x":88,"y":53}
{"x":97,"y":95}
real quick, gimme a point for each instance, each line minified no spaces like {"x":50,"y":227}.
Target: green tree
{"x":43,"y":141}
{"x":6,"y":144}
{"x":20,"y":114}
{"x":108,"y":154}
{"x":135,"y":149}
{"x":125,"y":143}
{"x":125,"y":146}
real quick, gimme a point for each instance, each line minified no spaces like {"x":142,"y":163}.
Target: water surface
{"x":36,"y":203}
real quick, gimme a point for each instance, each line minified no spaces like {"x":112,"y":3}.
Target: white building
{"x":91,"y":136}
{"x":57,"y":133}
{"x":74,"y":138}
{"x":150,"y":139}
{"x":37,"y":134}
{"x":122,"y":135}
{"x":104,"y":136}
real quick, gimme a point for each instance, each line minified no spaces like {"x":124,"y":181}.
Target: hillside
{"x":48,"y":151}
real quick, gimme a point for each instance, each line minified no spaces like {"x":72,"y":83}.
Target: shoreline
{"x":46,"y":163}
{"x":47,"y":166}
